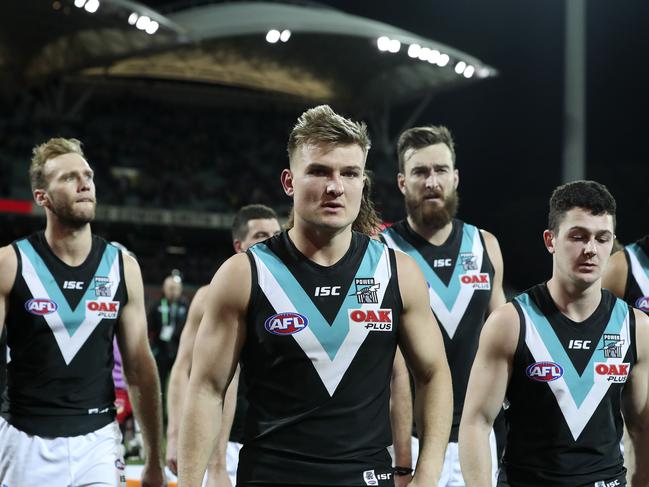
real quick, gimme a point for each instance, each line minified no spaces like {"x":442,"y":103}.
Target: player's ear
{"x":287,"y":182}
{"x":549,"y":240}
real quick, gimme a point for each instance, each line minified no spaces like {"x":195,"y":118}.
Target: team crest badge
{"x":102,"y":287}
{"x":612,"y":346}
{"x":366,"y":290}
{"x":468,"y":260}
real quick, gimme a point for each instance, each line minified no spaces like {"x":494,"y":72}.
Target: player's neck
{"x":575,"y":302}
{"x":323,"y":246}
{"x":71,"y":245}
{"x":435,"y":236}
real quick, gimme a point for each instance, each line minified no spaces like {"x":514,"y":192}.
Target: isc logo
{"x":579,"y":344}
{"x":442,"y":263}
{"x":544,"y":371}
{"x":643,"y":304}
{"x":476,"y":281}
{"x":327,"y":291}
{"x":72,"y":285}
{"x":286,"y":323}
{"x":41,"y":306}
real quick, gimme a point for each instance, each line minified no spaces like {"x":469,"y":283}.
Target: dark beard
{"x":432,"y":218}
{"x":69,"y":218}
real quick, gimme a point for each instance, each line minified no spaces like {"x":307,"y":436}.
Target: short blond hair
{"x":42,"y":153}
{"x":322,"y":126}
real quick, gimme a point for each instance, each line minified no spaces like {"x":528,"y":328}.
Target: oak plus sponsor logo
{"x":286,"y":323}
{"x":476,"y":281}
{"x":642,"y":303}
{"x":107,"y":310}
{"x":41,"y":306}
{"x":371,"y":319}
{"x":616,"y":373}
{"x":544,"y":371}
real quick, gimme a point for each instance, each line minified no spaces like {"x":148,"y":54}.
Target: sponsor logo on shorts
{"x":605,"y":372}
{"x":98,"y":411}
{"x":544,"y":371}
{"x":602,"y":483}
{"x":119,"y":464}
{"x":41,"y":306}
{"x":104,"y":309}
{"x":371,"y":319}
{"x":286,"y":323}
{"x":612,"y":346}
{"x":370,"y":477}
{"x":642,"y":304}
{"x":476,"y":281}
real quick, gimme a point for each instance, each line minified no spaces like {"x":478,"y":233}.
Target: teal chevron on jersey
{"x":448,"y":294}
{"x":330,"y":336}
{"x":579,"y":386}
{"x":71,"y":318}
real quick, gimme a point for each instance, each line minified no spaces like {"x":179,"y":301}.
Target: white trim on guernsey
{"x":639,"y":273}
{"x":576,"y":417}
{"x":69,"y":345}
{"x":331,"y":371}
{"x":450,"y":319}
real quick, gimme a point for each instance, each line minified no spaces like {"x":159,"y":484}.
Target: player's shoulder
{"x":8,"y":268}
{"x":502,"y":328}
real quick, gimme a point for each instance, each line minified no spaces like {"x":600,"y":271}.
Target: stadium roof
{"x":331,"y":56}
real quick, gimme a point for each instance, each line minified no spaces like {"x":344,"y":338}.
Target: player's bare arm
{"x":401,"y":417}
{"x":179,"y":376}
{"x":490,"y":375}
{"x":140,"y":372}
{"x":495,"y":255}
{"x":421,"y":342}
{"x":8,"y":269}
{"x":636,"y":403}
{"x":216,"y":352}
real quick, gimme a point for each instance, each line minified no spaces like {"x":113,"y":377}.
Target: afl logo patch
{"x":286,"y":323}
{"x":544,"y":371}
{"x":642,"y":304}
{"x":41,"y":306}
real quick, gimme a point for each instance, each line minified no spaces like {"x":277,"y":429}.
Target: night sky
{"x":509,"y":130}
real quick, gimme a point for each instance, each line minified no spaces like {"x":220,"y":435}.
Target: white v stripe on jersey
{"x":450,"y":318}
{"x":69,"y":345}
{"x":576,"y":417}
{"x":639,"y":273}
{"x":330,"y":371}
